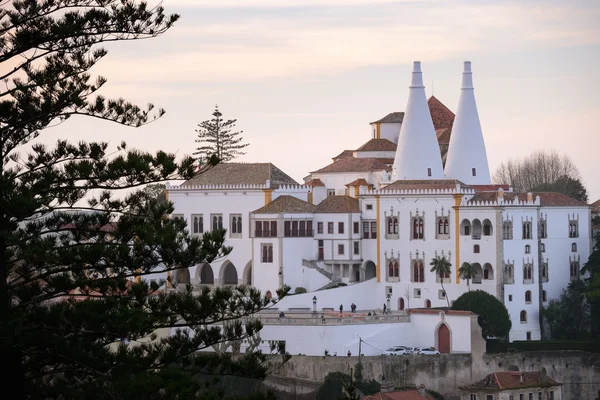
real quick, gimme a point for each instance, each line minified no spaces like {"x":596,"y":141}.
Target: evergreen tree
{"x":72,"y":293}
{"x":349,"y":389}
{"x":592,"y":286}
{"x":442,"y":268}
{"x":216,"y":138}
{"x":569,"y":315}
{"x":493,"y":315}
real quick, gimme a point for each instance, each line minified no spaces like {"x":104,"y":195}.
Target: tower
{"x":467,"y":158}
{"x":418,"y":153}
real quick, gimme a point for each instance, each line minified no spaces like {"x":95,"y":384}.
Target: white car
{"x":426,"y":350}
{"x":396,"y":351}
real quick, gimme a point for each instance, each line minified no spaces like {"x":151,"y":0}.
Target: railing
{"x":331,"y":319}
{"x":298,"y":233}
{"x":265,"y":233}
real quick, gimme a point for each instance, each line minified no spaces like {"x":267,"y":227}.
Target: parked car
{"x":426,"y":350}
{"x":396,"y":351}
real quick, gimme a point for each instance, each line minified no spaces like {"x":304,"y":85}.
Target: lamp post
{"x":280,"y":278}
{"x":314,"y":305}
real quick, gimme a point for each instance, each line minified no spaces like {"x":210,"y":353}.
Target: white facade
{"x":381,"y":240}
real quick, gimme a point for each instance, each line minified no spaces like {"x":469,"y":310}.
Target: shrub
{"x":299,"y":290}
{"x":493,"y":315}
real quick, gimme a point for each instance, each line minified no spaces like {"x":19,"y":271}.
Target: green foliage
{"x":569,"y":316}
{"x":349,"y":389}
{"x":493,"y":315}
{"x":467,"y":271}
{"x":566,"y":185}
{"x":300,"y":290}
{"x":332,"y":387}
{"x":497,"y":346}
{"x":73,"y":254}
{"x":216,"y":139}
{"x":442,"y":268}
{"x":592,"y":287}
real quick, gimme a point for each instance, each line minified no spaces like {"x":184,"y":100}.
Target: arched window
{"x":574,"y":270}
{"x":523,"y":316}
{"x":527,"y":249}
{"x":215,"y":223}
{"x":197,"y":224}
{"x":440,"y":226}
{"x":487,"y":227}
{"x":392,"y":225}
{"x":527,"y":272}
{"x":418,"y":272}
{"x":465,"y":227}
{"x":528,"y":296}
{"x":527,"y":230}
{"x":545,"y":271}
{"x":393,"y":269}
{"x":239,"y":225}
{"x":427,"y":303}
{"x":220,"y":222}
{"x":573,"y":229}
{"x":418,"y":228}
{"x":269,"y":295}
{"x":446,"y":226}
{"x":574,"y":247}
{"x":234,"y":225}
{"x":476,"y":248}
{"x":542,"y":229}
{"x":507,"y":230}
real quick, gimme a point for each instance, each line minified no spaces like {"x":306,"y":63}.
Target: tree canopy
{"x":217,"y":138}
{"x":569,"y":315}
{"x":493,"y":315}
{"x":592,"y":288}
{"x":78,"y":317}
{"x":542,"y":171}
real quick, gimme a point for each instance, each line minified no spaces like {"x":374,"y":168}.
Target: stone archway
{"x":443,"y":339}
{"x":182,"y":276}
{"x":247,"y":276}
{"x":229,"y":275}
{"x":370,"y":270}
{"x":204,"y":274}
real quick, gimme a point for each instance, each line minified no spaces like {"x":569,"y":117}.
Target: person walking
{"x":341,"y":309}
{"x":384,"y":308}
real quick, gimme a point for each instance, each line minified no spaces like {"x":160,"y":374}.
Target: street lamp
{"x":315,"y":305}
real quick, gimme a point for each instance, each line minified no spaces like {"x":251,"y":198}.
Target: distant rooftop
{"x":241,"y":174}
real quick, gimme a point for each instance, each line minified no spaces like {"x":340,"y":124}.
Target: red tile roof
{"x":355,"y":165}
{"x":510,"y":380}
{"x":490,"y":188}
{"x":241,"y":174}
{"x":358,"y":182}
{"x":547,"y":199}
{"x":401,"y":395}
{"x":443,"y":135}
{"x":441,"y":115}
{"x":392,"y":118}
{"x":596,"y":206}
{"x":344,"y":154}
{"x":338,"y":204}
{"x":424,"y":184}
{"x":378,"y":145}
{"x":286,"y":204}
{"x":314,"y":183}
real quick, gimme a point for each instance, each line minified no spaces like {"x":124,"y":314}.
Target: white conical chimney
{"x":418,"y":152}
{"x":467,"y":159}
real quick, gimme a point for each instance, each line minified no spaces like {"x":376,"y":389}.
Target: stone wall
{"x":578,"y":371}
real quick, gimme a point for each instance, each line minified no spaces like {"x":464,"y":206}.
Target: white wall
{"x":390,"y":132}
{"x":374,"y":154}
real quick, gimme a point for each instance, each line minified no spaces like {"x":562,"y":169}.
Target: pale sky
{"x":305,"y":77}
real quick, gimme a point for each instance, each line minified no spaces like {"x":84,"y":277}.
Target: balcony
{"x":265,"y":233}
{"x":298,"y":233}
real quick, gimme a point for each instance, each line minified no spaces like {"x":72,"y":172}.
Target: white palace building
{"x":375,"y":217}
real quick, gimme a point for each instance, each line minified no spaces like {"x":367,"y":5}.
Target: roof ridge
{"x":497,"y":381}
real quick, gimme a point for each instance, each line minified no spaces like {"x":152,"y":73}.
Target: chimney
{"x":521,"y":377}
{"x":529,"y":197}
{"x":422,"y":391}
{"x":418,"y":152}
{"x":467,"y":159}
{"x":500,"y":193}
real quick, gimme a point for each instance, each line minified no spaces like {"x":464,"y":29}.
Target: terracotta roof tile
{"x":389,"y":161}
{"x":338,"y":204}
{"x":241,"y":173}
{"x":286,"y":204}
{"x":441,"y":115}
{"x":547,"y":199}
{"x":512,"y":380}
{"x":355,"y":165}
{"x":314,"y":183}
{"x":392,"y":118}
{"x":344,"y":154}
{"x":378,"y":145}
{"x":490,"y":188}
{"x":358,"y":182}
{"x":443,"y":135}
{"x":401,"y":395}
{"x":596,"y":206}
{"x":425,"y":184}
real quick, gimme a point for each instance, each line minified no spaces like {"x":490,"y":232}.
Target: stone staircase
{"x":331,"y":284}
{"x":313,"y":264}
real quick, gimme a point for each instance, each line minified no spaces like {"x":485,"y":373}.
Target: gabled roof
{"x":547,"y":199}
{"x":441,"y":115}
{"x":392,"y":118}
{"x":344,"y":154}
{"x":240,"y":174}
{"x":314,"y":183}
{"x":443,"y":135}
{"x":425,"y":184}
{"x":338,"y":204}
{"x":596,"y":206}
{"x":286,"y":204}
{"x":378,"y":145}
{"x":351,"y":164}
{"x":510,"y":380}
{"x":401,"y":395}
{"x":358,"y":182}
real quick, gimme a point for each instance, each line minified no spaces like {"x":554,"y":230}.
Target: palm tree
{"x":442,"y":267}
{"x":467,"y":271}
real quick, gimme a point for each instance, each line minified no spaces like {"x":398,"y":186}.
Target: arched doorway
{"x":248,"y":274}
{"x":370,"y":270}
{"x":206,"y":274}
{"x":401,"y":303}
{"x":427,"y":303}
{"x":443,"y":335}
{"x":182,"y":276}
{"x":230,"y":276}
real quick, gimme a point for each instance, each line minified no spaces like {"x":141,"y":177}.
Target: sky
{"x":304,"y":78}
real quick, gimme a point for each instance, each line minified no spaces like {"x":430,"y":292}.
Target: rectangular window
{"x":330,"y":227}
{"x":258,"y":228}
{"x":267,"y":252}
{"x":287,"y":228}
{"x":356,"y":228}
{"x":330,"y":192}
{"x":521,"y":397}
{"x":489,"y":396}
{"x":369,"y":206}
{"x":197,"y":224}
{"x":544,"y":296}
{"x":266,"y":229}
{"x":366,"y":230}
{"x":309,"y":229}
{"x":543,"y":247}
{"x":551,"y":395}
{"x":540,"y":396}
{"x":473,"y":397}
{"x":529,"y":338}
{"x":294,"y":228}
{"x":340,"y":227}
{"x":511,"y":397}
{"x":441,"y":294}
{"x":373,"y":230}
{"x":428,"y":171}
{"x":319,"y":227}
{"x":474,"y":171}
{"x":510,"y":297}
{"x":302,"y":231}
{"x":417,"y":293}
{"x":356,"y":248}
{"x":273,"y":228}
{"x":340,"y":249}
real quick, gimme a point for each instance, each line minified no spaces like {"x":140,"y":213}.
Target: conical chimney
{"x":467,"y":158}
{"x":418,"y":152}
